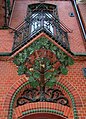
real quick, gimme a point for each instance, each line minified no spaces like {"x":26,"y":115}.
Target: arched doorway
{"x":43,"y":116}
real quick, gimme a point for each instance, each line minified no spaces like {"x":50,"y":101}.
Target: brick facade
{"x":73,"y":85}
{"x":74,"y":82}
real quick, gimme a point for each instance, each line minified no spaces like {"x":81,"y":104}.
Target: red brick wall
{"x":64,"y":8}
{"x":74,"y":81}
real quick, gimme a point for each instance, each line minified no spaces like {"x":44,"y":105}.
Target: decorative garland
{"x":49,"y":69}
{"x":42,"y":62}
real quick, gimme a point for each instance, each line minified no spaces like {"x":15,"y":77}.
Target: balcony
{"x":41,"y":22}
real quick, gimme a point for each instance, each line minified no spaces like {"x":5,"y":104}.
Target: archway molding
{"x":42,"y":107}
{"x":10,"y":98}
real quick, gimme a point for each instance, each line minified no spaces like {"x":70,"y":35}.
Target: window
{"x":41,"y":20}
{"x":41,"y":17}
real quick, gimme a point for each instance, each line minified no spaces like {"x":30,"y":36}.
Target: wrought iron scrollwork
{"x":29,"y":95}
{"x":42,"y":95}
{"x":41,"y":80}
{"x":41,"y":21}
{"x":55,"y":95}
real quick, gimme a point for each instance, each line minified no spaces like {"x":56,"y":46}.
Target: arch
{"x":42,"y":116}
{"x":42,"y":107}
{"x":22,"y":82}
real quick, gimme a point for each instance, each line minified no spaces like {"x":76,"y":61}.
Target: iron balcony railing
{"x":37,"y":22}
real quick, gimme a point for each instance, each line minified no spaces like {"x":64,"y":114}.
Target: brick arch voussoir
{"x":47,"y":107}
{"x":11,"y":92}
{"x":16,"y":87}
{"x":73,"y":91}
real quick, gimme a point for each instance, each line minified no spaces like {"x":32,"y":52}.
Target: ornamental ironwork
{"x":45,"y":21}
{"x":42,"y":95}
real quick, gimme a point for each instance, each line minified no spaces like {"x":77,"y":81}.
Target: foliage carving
{"x":42,"y":62}
{"x":35,"y":62}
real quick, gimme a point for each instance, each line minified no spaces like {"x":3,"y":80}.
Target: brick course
{"x":73,"y":85}
{"x":10,"y":82}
